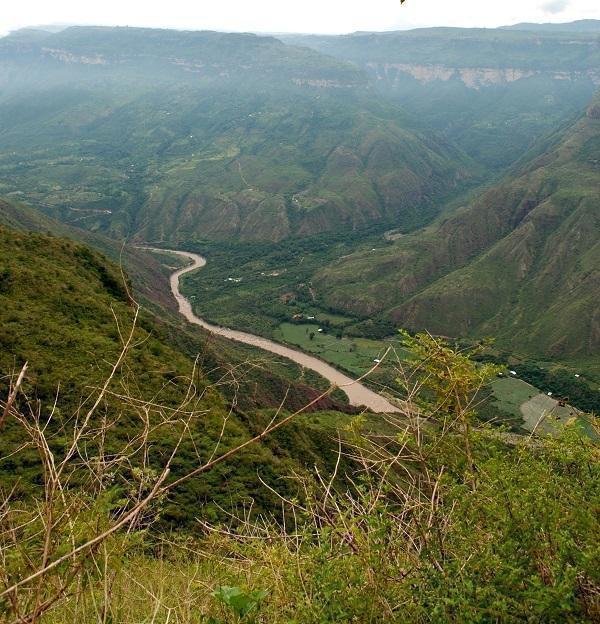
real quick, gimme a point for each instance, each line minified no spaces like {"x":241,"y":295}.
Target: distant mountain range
{"x":579,"y":26}
{"x":168,"y":135}
{"x":183,"y":137}
{"x":165,"y":135}
{"x":491,"y":92}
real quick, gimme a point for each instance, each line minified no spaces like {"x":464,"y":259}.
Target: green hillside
{"x":442,"y":181}
{"x":519,"y":263}
{"x":65,"y":310}
{"x":149,"y":279}
{"x":164,"y":135}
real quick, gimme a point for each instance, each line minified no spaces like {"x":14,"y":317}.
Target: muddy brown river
{"x":358,"y":394}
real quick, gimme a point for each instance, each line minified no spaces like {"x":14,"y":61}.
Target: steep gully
{"x":358,"y":394}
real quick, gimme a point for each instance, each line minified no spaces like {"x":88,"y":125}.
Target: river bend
{"x":358,"y":394}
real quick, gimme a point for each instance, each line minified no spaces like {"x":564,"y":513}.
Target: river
{"x":358,"y":394}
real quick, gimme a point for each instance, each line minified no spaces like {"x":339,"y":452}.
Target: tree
{"x":453,"y":378}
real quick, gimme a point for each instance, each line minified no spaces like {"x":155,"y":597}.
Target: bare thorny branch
{"x":395,"y":465}
{"x":59,"y":509}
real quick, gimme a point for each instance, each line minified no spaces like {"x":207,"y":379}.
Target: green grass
{"x":512,"y":393}
{"x":535,"y":409}
{"x":355,"y":355}
{"x":542,"y":414}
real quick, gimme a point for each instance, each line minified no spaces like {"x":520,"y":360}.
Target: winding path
{"x":358,"y":394}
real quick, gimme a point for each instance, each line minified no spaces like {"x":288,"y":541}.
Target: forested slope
{"x":65,"y":310}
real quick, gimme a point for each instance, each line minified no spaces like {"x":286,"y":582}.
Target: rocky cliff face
{"x":65,"y":56}
{"x":471,"y":77}
{"x":493,"y":93}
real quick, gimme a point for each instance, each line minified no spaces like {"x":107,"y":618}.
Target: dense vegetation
{"x":519,"y":262}
{"x":563,"y":384}
{"x":149,"y":278}
{"x":427,"y":521}
{"x":150,"y":472}
{"x":65,"y":310}
{"x":256,"y":286}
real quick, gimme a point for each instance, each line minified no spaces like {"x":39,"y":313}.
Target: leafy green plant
{"x":242,"y":604}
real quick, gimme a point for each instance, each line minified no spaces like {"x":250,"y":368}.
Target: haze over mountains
{"x":164,"y":135}
{"x":586,"y":25}
{"x":179,"y":137}
{"x":369,"y":209}
{"x":491,"y":92}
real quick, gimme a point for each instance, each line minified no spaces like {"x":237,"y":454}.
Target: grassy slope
{"x":298,"y":165}
{"x":519,"y":263}
{"x":59,"y":302}
{"x":149,"y":278}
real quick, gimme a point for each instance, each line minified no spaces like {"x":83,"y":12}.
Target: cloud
{"x":555,"y":6}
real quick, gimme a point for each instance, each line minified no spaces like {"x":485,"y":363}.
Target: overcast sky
{"x":322,"y":16}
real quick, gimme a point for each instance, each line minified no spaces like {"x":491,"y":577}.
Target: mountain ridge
{"x":493,"y":93}
{"x":584,"y":25}
{"x":288,"y":142}
{"x":519,"y":262}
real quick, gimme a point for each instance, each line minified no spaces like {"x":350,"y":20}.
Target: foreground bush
{"x":425,"y":519}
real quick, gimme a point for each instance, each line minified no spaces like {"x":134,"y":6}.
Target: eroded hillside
{"x":519,"y":263}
